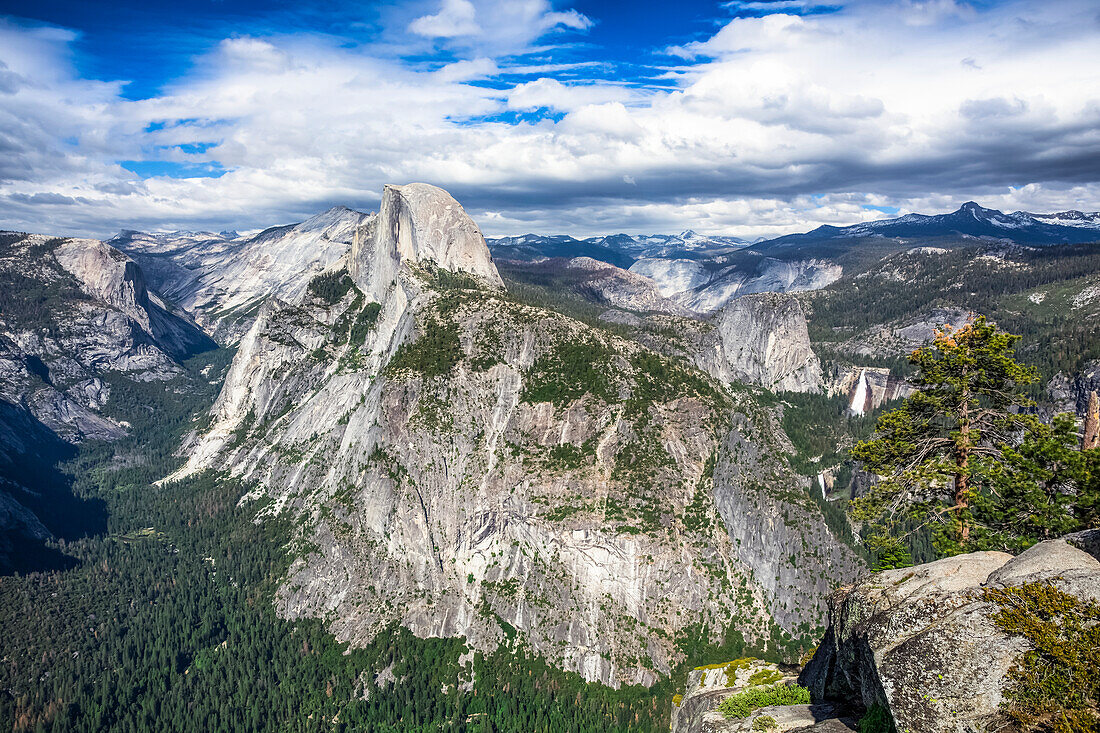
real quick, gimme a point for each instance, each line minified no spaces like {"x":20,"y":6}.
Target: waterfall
{"x":859,"y":399}
{"x":821,"y":483}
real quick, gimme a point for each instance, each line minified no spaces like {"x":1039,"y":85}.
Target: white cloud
{"x":552,"y":94}
{"x":455,"y":18}
{"x":468,"y":70}
{"x":496,"y":26}
{"x":998,"y":105}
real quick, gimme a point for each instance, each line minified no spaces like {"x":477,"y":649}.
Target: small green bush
{"x":765,"y":723}
{"x":764,"y":677}
{"x":743,"y":704}
{"x":1054,"y":685}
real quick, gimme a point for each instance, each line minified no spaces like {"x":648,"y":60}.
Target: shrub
{"x":1054,"y":685}
{"x":765,"y":722}
{"x":743,"y":704}
{"x":764,"y":677}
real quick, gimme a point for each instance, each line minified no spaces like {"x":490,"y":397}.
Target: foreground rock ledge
{"x":922,"y":642}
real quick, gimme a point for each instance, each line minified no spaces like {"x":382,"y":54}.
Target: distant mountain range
{"x":704,"y":273}
{"x":969,"y":221}
{"x":621,"y":250}
{"x":222,"y":278}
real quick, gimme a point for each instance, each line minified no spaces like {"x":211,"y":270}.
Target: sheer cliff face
{"x":418,"y":223}
{"x":78,"y":310}
{"x":763,"y":339}
{"x":468,"y":465}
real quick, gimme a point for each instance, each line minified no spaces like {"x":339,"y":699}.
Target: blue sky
{"x":748,"y":117}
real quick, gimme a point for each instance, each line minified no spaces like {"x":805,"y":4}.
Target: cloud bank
{"x":774,"y":122}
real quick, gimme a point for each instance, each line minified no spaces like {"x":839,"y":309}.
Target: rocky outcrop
{"x":696,"y":711}
{"x":922,"y":640}
{"x":878,"y":387}
{"x":705,"y":286}
{"x":610,"y":285}
{"x":111,"y":277}
{"x":706,"y":687}
{"x":463,"y":464}
{"x":222,"y":280}
{"x":901,"y":337}
{"x":760,"y":275}
{"x":75,"y":318}
{"x":673,"y":276}
{"x":1071,"y":392}
{"x":762,"y":339}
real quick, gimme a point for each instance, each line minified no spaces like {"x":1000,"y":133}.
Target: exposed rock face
{"x":595,"y":502}
{"x":418,"y":223}
{"x":767,"y":276}
{"x":108,"y":275}
{"x":93,"y":316}
{"x":1071,"y":392}
{"x":880,"y":387}
{"x":705,"y":286}
{"x":706,"y":687}
{"x":901,"y":337}
{"x":922,"y":641}
{"x":762,"y":339}
{"x":672,"y":276}
{"x":223,"y":281}
{"x":622,"y":288}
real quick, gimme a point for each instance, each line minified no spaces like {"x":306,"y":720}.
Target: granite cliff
{"x":466,"y":464}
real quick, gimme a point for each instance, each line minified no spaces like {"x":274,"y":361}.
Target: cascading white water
{"x":821,"y":483}
{"x":859,"y":399}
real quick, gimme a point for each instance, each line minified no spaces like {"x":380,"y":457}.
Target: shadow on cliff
{"x":37,"y":502}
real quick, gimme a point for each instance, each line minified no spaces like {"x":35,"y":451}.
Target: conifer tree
{"x":950,"y":432}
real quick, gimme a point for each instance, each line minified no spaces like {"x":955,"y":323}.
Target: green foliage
{"x":1058,"y":337}
{"x":877,"y":719}
{"x":742,"y":704}
{"x":1041,"y":488}
{"x":435,"y":352}
{"x":1054,"y":685}
{"x":570,"y":370}
{"x":568,"y":456}
{"x":330,"y":287}
{"x":765,"y":723}
{"x":364,"y":322}
{"x":888,"y":552}
{"x":818,"y":425}
{"x":167,"y":621}
{"x":661,"y":379}
{"x":764,"y":677}
{"x":969,"y":391}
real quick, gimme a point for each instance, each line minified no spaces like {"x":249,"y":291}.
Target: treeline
{"x":1055,"y":340}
